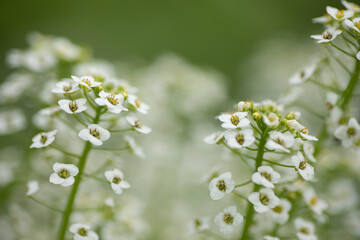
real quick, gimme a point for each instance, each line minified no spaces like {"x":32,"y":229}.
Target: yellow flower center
{"x":116,"y":180}
{"x":94,"y":132}
{"x":240,"y":138}
{"x":73,"y":106}
{"x":266,"y":175}
{"x":235,"y":120}
{"x":43,"y":138}
{"x":313,"y":201}
{"x":86,"y":81}
{"x":64,"y":173}
{"x":228,"y":219}
{"x":138,"y":102}
{"x":278,"y":209}
{"x":302,"y":165}
{"x":82,"y":232}
{"x":264,"y":199}
{"x":357,"y":24}
{"x":112,"y":99}
{"x":327,"y":35}
{"x":339,"y":14}
{"x":221,"y":185}
{"x":138,"y":124}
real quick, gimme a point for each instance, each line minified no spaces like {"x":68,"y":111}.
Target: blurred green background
{"x":215,"y":33}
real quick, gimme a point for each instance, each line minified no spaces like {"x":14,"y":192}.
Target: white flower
{"x":263,"y":200}
{"x":303,"y":75}
{"x":272,"y":120}
{"x":198,"y":225}
{"x":271,"y":238}
{"x":327,"y":36}
{"x":280,"y":141}
{"x":72,"y":107}
{"x":15,"y":87}
{"x":280,"y":213}
{"x":244,"y":106}
{"x":326,"y":19}
{"x":309,"y":151}
{"x":12,"y":121}
{"x":240,"y":139}
{"x":305,"y":170}
{"x":86,"y":81}
{"x":214,"y":138}
{"x":354,"y":24}
{"x":228,"y":219}
{"x":339,"y":15}
{"x":137,"y":126}
{"x":348,"y":133}
{"x":32,"y":187}
{"x":43,"y":139}
{"x":358,"y":55}
{"x":64,"y":174}
{"x":134,"y":147}
{"x":66,"y":50}
{"x":236,"y":120}
{"x":305,"y":229}
{"x":294,"y":125}
{"x":266,"y":177}
{"x":316,"y":205}
{"x":221,"y":185}
{"x":66,"y":86}
{"x":331,"y":100}
{"x":116,"y":178}
{"x":83,"y":232}
{"x":351,"y":6}
{"x":138,"y":104}
{"x":111,"y":101}
{"x":110,"y":202}
{"x":95,"y":134}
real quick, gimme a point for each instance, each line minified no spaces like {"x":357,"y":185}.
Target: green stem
{"x":120,"y":130}
{"x":45,"y":204}
{"x":65,"y":152}
{"x":111,"y":149}
{"x":347,"y":94}
{"x":96,"y":178}
{"x":343,"y":51}
{"x":279,"y":164}
{"x":243,"y":184}
{"x":77,"y":118}
{"x":89,"y":101}
{"x":250,"y":207}
{"x":239,"y":154}
{"x":339,"y":61}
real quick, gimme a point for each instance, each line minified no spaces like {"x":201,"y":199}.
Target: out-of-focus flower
{"x":43,"y":139}
{"x":32,"y":187}
{"x":138,"y":104}
{"x":221,"y":185}
{"x":64,"y":174}
{"x":66,"y":50}
{"x":116,"y":178}
{"x":327,"y":36}
{"x":309,"y":151}
{"x":240,"y":139}
{"x":83,"y":232}
{"x":303,"y":75}
{"x":353,"y":24}
{"x":280,"y":213}
{"x":305,"y":170}
{"x":134,"y":147}
{"x":66,"y":86}
{"x":14,"y":87}
{"x":137,"y":125}
{"x":264,"y":200}
{"x":87,"y":82}
{"x":280,"y":141}
{"x":316,"y":205}
{"x":228,"y":219}
{"x":12,"y":121}
{"x":72,"y":107}
{"x":95,"y":134}
{"x":213,"y":138}
{"x":266,"y":177}
{"x":198,"y":225}
{"x":348,"y":134}
{"x":351,"y":6}
{"x":339,"y":15}
{"x":305,"y":229}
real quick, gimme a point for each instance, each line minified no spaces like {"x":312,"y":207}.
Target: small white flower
{"x":221,"y":185}
{"x":228,"y":219}
{"x":66,"y":50}
{"x":116,"y":178}
{"x":354,"y":24}
{"x":271,"y":238}
{"x":43,"y":139}
{"x":111,"y":101}
{"x":198,"y":225}
{"x":240,"y":139}
{"x":214,"y":138}
{"x":244,"y":106}
{"x":138,"y":104}
{"x":309,"y":151}
{"x":266,"y":177}
{"x":326,"y":19}
{"x":280,"y":213}
{"x":66,"y":86}
{"x":305,"y":170}
{"x":86,"y":81}
{"x":236,"y":120}
{"x":83,"y":232}
{"x":331,"y":100}
{"x":137,"y":126}
{"x":264,"y":200}
{"x":280,"y":141}
{"x":294,"y":125}
{"x":316,"y":205}
{"x":110,"y":202}
{"x":305,"y":229}
{"x":351,"y":6}
{"x":339,"y":15}
{"x":348,"y":133}
{"x":12,"y":121}
{"x":95,"y":134}
{"x":32,"y":187}
{"x":72,"y":107}
{"x":272,"y":120}
{"x":303,"y":75}
{"x":327,"y":36}
{"x":64,"y":174}
{"x":134,"y":147}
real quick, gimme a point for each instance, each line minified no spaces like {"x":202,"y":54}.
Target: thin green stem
{"x":250,"y":208}
{"x":349,"y":41}
{"x":347,"y":94}
{"x":239,"y":154}
{"x":95,"y":177}
{"x":339,"y":61}
{"x":111,"y":149}
{"x":279,"y":164}
{"x":65,"y":152}
{"x":89,"y":100}
{"x":243,"y":184}
{"x":45,"y":204}
{"x":324,"y":86}
{"x":120,"y":130}
{"x":343,"y":51}
{"x":239,"y":195}
{"x":77,"y":118}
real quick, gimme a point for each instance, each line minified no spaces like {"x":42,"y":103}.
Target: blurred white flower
{"x":271,"y":120}
{"x":353,"y":24}
{"x":32,"y":187}
{"x":64,"y":174}
{"x":12,"y":121}
{"x":326,"y":19}
{"x":110,"y":202}
{"x":43,"y":139}
{"x":111,"y":101}
{"x":280,"y":213}
{"x":303,"y":75}
{"x":95,"y":134}
{"x":137,"y":125}
{"x":279,"y":141}
{"x":83,"y":232}
{"x":240,"y":139}
{"x":232,"y":121}
{"x":72,"y":107}
{"x":264,"y":200}
{"x":305,"y":170}
{"x":87,"y":82}
{"x":305,"y":229}
{"x":221,"y":185}
{"x":66,"y":86}
{"x":348,"y":134}
{"x":14,"y":87}
{"x":228,"y":219}
{"x":311,"y":199}
{"x":327,"y":36}
{"x":331,"y":100}
{"x":271,"y":238}
{"x":198,"y":225}
{"x":214,"y":137}
{"x":65,"y":49}
{"x":116,"y":178}
{"x":138,"y":104}
{"x":309,"y":151}
{"x":339,"y":15}
{"x":351,"y":6}
{"x":266,"y":177}
{"x":134,"y":147}
{"x":244,"y":106}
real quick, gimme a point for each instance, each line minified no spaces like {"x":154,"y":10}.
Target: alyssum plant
{"x":92,"y":107}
